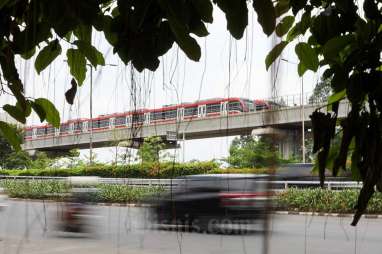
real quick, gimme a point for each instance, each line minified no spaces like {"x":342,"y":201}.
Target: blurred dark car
{"x":206,"y":202}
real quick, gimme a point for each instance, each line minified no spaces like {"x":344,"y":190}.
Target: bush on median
{"x":154,"y":170}
{"x":323,"y":200}
{"x":37,"y":189}
{"x":309,"y":200}
{"x":52,"y":189}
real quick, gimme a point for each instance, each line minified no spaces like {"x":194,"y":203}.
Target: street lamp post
{"x":90,"y":126}
{"x":302,"y":113}
{"x":91,"y":117}
{"x":303,"y":119}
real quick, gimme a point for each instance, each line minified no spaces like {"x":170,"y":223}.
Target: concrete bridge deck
{"x":288,"y":118}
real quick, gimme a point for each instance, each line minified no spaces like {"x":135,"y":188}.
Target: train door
{"x":111,"y":123}
{"x":223,"y":108}
{"x":202,"y":110}
{"x":34,"y":133}
{"x":180,"y":114}
{"x":147,"y":118}
{"x":56,"y":132}
{"x":85,"y":126}
{"x":128,"y":121}
{"x":71,"y":128}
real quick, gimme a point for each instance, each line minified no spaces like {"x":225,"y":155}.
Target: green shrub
{"x":124,"y":194}
{"x":4,"y":172}
{"x":52,"y":189}
{"x":146,"y":170}
{"x":323,"y":200}
{"x":35,"y":189}
{"x":239,"y":171}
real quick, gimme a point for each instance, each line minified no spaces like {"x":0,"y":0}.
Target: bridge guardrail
{"x":168,"y":183}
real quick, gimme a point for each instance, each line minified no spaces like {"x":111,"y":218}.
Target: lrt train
{"x":170,"y":113}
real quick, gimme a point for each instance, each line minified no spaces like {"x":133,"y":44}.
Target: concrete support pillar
{"x":287,"y":140}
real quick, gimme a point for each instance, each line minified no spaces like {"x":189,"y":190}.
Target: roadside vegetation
{"x":299,"y":200}
{"x":146,"y":170}
{"x":59,"y":190}
{"x":246,"y":155}
{"x":325,"y":201}
{"x":141,"y":170}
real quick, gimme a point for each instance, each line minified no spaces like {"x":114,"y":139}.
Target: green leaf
{"x":282,"y":7}
{"x":27,"y":110}
{"x":51,"y":114}
{"x":68,"y":36}
{"x":184,"y":40}
{"x":197,"y":27}
{"x":11,"y":135}
{"x":236,"y":13}
{"x":335,"y":45}
{"x":110,"y":35}
{"x":204,"y":8}
{"x":29,"y":54}
{"x":293,"y":33}
{"x":307,"y":56}
{"x":39,"y":111}
{"x":337,"y":96}
{"x":47,"y":55}
{"x":266,"y":15}
{"x":77,"y":65}
{"x":301,"y":69}
{"x":3,"y":3}
{"x":15,"y":112}
{"x":84,"y":33}
{"x":275,"y":53}
{"x":71,"y":93}
{"x":283,"y":27}
{"x":91,"y":53}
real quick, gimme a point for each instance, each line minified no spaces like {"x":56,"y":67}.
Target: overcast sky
{"x":227,"y":68}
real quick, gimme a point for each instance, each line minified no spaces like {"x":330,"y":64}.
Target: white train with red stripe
{"x":170,"y":113}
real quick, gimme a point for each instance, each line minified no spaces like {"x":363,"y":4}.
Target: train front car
{"x":28,"y":133}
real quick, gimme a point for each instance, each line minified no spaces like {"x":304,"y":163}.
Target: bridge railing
{"x":168,"y":183}
{"x":294,"y":100}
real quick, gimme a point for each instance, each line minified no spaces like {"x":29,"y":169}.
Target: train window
{"x":261,"y":106}
{"x":213,"y":108}
{"x":169,"y":114}
{"x":64,"y":127}
{"x":94,"y":124}
{"x":235,"y":106}
{"x":85,"y":126}
{"x":49,"y":130}
{"x":77,"y":126}
{"x":138,"y":118}
{"x":28,"y":133}
{"x":191,"y":111}
{"x":40,"y":131}
{"x":157,"y":116}
{"x":104,"y":123}
{"x":120,"y":120}
{"x":250,"y":105}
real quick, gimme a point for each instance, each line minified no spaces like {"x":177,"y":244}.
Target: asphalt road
{"x":29,"y":227}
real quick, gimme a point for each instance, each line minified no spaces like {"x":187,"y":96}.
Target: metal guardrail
{"x":167,"y":183}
